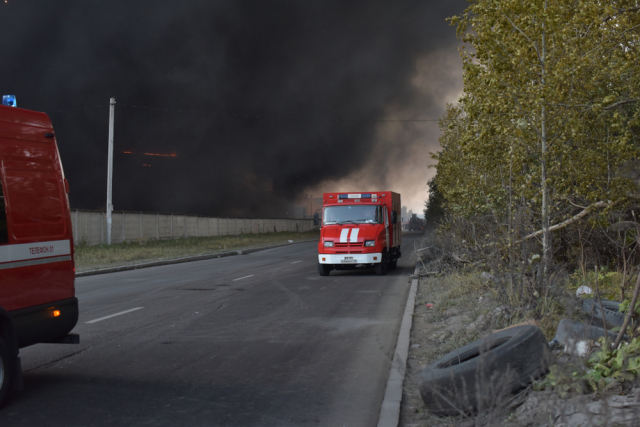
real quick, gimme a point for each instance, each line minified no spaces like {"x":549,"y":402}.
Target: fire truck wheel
{"x":381,"y":268}
{"x":6,"y":367}
{"x":393,"y":264}
{"x":324,"y":269}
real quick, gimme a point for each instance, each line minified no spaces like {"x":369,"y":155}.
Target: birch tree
{"x":550,"y":94}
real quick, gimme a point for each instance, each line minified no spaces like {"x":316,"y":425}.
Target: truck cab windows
{"x":355,"y":214}
{"x":4,"y":229}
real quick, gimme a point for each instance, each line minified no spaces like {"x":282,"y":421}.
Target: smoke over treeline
{"x":259,"y":100}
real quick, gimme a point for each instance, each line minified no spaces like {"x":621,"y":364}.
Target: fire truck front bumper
{"x":349,"y":258}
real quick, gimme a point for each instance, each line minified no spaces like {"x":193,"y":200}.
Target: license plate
{"x":348,"y":259}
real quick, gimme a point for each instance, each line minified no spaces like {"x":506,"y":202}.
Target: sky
{"x":235,"y":108}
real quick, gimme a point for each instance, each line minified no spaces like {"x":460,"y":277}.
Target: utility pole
{"x":112,"y":107}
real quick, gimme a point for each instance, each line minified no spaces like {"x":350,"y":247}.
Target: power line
{"x":79,"y":108}
{"x":247,"y":116}
{"x":271,"y":117}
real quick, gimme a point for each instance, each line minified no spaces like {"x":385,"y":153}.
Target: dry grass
{"x":104,"y":256}
{"x":440,"y":330}
{"x":458,"y":299}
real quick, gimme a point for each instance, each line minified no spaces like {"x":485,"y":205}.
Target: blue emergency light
{"x":9,"y":100}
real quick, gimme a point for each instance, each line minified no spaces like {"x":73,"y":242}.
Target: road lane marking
{"x":245,"y":277}
{"x":295,"y":262}
{"x":114,"y":315}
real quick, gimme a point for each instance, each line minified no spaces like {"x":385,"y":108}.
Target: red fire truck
{"x":37,"y":272}
{"x":360,"y":230}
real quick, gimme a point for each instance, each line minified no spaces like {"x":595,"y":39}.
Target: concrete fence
{"x":90,"y":227}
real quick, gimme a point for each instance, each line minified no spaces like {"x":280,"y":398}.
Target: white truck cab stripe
{"x":354,"y":235}
{"x":344,"y":233}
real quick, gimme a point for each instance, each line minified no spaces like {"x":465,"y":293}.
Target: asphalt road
{"x":252,"y":340}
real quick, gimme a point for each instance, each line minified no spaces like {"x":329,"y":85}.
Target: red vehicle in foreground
{"x":359,"y":230}
{"x":37,"y":272}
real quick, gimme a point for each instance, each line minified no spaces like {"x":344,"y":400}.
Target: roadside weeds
{"x":457,"y":307}
{"x":451,"y":323}
{"x":140,"y":251}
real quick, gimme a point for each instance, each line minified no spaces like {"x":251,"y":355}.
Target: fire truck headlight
{"x":370,"y":243}
{"x":328,"y":244}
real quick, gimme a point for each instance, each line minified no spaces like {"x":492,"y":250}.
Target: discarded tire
{"x":611,"y":314}
{"x":484,"y":373}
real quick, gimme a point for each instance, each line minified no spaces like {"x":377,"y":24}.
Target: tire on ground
{"x":486,"y":372}
{"x":6,"y":369}
{"x":611,"y":314}
{"x":324,"y":269}
{"x":393,"y":265}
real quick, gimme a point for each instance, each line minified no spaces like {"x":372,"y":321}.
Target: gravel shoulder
{"x":461,"y":313}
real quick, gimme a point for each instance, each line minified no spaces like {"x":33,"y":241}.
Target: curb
{"x":390,"y":409}
{"x":185,"y":259}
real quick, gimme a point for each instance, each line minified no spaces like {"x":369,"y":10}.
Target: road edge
{"x":390,"y":408}
{"x":185,"y":259}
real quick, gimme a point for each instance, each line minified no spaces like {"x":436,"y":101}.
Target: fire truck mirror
{"x":394,"y":217}
{"x":316,"y":219}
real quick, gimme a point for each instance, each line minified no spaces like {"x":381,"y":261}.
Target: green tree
{"x":548,"y":110}
{"x":434,"y":207}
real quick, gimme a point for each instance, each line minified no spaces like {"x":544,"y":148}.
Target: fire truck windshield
{"x":356,"y":214}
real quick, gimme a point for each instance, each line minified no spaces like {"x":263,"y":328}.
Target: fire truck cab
{"x":360,"y":230}
{"x":37,"y":272}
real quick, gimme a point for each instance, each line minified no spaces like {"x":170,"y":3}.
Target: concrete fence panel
{"x":148,"y":226}
{"x":164,"y":223}
{"x":202,"y":227}
{"x":179,"y":229}
{"x":90,"y":227}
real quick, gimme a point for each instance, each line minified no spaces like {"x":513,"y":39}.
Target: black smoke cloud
{"x":259,"y":100}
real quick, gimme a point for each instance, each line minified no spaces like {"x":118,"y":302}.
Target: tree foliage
{"x":434,"y":209}
{"x":550,"y":108}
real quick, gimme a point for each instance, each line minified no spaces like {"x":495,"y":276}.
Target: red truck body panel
{"x":374,"y":238}
{"x":36,"y":242}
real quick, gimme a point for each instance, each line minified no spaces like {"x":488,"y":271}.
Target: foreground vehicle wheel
{"x":484,"y":373}
{"x":611,"y":314}
{"x":6,"y":368}
{"x":393,"y":265}
{"x":324,"y":269}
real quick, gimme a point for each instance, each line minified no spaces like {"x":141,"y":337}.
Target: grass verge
{"x":120,"y":254}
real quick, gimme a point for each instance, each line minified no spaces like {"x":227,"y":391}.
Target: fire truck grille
{"x":349,"y":245}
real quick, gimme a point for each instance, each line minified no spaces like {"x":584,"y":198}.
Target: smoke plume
{"x":259,"y":101}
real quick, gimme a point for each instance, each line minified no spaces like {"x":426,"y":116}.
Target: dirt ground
{"x":461,"y":313}
{"x":465,"y":308}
